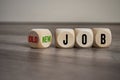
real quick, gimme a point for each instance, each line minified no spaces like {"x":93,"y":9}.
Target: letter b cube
{"x":102,"y":37}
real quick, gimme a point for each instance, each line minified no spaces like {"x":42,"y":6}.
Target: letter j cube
{"x":65,"y":38}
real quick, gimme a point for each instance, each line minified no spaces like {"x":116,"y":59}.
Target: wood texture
{"x":20,"y":62}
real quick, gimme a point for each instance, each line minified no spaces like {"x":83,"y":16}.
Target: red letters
{"x":33,"y":39}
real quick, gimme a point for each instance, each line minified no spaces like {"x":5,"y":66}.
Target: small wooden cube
{"x":84,"y":37}
{"x":40,"y":38}
{"x":102,"y":37}
{"x":65,"y":38}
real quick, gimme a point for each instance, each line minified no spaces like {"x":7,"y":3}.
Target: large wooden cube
{"x":84,"y":37}
{"x":40,"y":38}
{"x":102,"y":37}
{"x":65,"y":38}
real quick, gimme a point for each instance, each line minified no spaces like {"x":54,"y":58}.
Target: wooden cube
{"x":102,"y":37}
{"x":65,"y":38}
{"x":40,"y":38}
{"x":84,"y":37}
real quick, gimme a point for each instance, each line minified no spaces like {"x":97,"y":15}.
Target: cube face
{"x":84,"y":37}
{"x":40,"y":38}
{"x":33,"y":39}
{"x":102,"y":37}
{"x":65,"y":38}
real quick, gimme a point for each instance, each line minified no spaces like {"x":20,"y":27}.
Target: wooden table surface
{"x":20,"y":62}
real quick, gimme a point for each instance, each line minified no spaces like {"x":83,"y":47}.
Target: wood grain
{"x":20,"y":62}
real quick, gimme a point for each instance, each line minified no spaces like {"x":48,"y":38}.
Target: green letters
{"x":46,"y":39}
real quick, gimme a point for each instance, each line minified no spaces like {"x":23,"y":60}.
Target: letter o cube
{"x":84,"y":37}
{"x":102,"y":37}
{"x":40,"y":38}
{"x":65,"y":38}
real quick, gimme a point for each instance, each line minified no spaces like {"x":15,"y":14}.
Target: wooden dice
{"x":84,"y":37}
{"x":40,"y":38}
{"x":102,"y":37}
{"x":65,"y":38}
{"x":68,"y":38}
